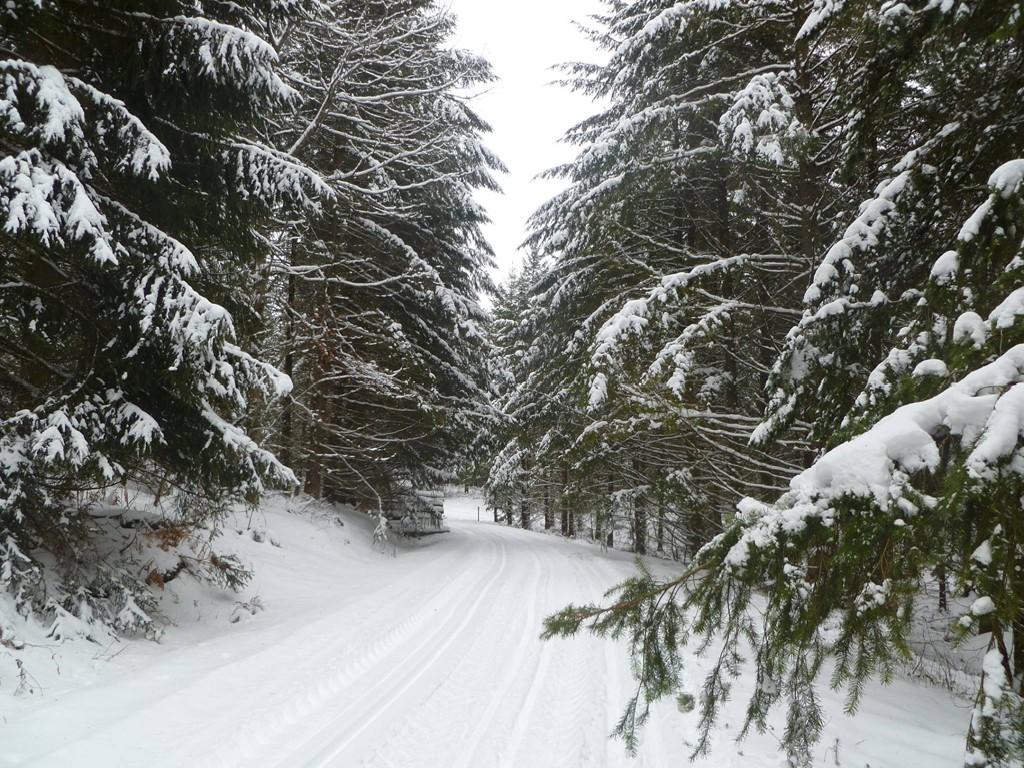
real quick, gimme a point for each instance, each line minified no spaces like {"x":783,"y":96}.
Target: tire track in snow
{"x":498,"y":698}
{"x":448,"y":716}
{"x":258,"y":705}
{"x":329,"y":753}
{"x":509,"y":755}
{"x":566,"y":726}
{"x":326,"y":677}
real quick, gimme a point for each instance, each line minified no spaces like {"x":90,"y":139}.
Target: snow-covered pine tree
{"x":380,"y":324}
{"x":131,"y":194}
{"x":592,"y":236}
{"x":928,"y":114}
{"x":516,"y":486}
{"x":923,"y":474}
{"x":702,"y":191}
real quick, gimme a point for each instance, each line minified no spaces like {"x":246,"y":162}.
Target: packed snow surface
{"x":425,"y":655}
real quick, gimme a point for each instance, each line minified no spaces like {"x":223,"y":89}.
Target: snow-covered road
{"x":431,"y":659}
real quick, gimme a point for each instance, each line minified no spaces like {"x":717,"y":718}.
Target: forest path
{"x":472,"y":685}
{"x":430,"y":659}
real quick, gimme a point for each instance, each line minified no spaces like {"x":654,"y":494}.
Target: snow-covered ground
{"x":424,"y":657}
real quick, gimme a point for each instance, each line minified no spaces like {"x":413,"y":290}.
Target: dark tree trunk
{"x":549,"y":515}
{"x":314,"y":478}
{"x":639,"y":530}
{"x":661,"y":530}
{"x":1017,"y":637}
{"x":565,"y":502}
{"x":940,"y":574}
{"x":610,"y":517}
{"x":639,"y":519}
{"x":287,"y":437}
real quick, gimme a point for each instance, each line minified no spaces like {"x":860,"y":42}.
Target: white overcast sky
{"x":523,"y":40}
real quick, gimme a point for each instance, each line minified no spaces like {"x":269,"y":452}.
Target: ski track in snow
{"x":429,"y":660}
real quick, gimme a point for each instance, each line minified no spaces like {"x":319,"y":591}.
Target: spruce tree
{"x":513,"y":486}
{"x":915,"y":308}
{"x":378,"y":295}
{"x":132,"y":189}
{"x":700,"y":195}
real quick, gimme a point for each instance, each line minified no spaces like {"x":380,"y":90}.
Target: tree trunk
{"x":940,"y":574}
{"x":564,"y":502}
{"x":610,"y":517}
{"x":1018,"y":651}
{"x":549,"y":515}
{"x":287,"y":437}
{"x":639,"y":518}
{"x":314,"y":477}
{"x":639,"y":529}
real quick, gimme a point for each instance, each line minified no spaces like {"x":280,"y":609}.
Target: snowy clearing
{"x":429,"y":658}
